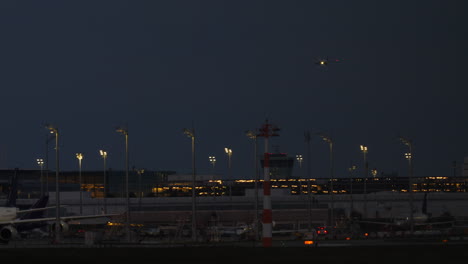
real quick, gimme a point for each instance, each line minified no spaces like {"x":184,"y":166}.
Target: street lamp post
{"x":329,"y":140}
{"x":40,"y":162}
{"x":79,"y":156}
{"x":366,"y":172}
{"x":54,"y":130}
{"x":104,"y":158}
{"x":409,"y":157}
{"x":124,"y":131}
{"x":191,"y":134}
{"x":252,"y":135}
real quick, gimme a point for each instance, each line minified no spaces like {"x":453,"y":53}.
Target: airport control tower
{"x":281,"y":165}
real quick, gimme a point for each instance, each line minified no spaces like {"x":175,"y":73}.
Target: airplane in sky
{"x":13,"y":221}
{"x":325,"y":61}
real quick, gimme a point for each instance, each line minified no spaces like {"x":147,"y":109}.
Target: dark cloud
{"x":225,"y":66}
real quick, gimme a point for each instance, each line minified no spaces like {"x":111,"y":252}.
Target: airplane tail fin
{"x":41,"y":203}
{"x":424,"y":205}
{"x":13,"y":192}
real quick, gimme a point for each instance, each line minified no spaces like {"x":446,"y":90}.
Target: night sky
{"x":225,"y":66}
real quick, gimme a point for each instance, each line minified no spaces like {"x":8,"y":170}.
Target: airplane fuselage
{"x":8,"y":213}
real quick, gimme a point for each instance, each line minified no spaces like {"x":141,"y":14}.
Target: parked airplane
{"x":13,"y":220}
{"x":423,"y":219}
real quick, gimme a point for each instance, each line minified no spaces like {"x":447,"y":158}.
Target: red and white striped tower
{"x":267,"y":130}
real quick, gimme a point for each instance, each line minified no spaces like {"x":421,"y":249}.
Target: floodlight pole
{"x":57,"y":190}
{"x":409,"y":157}
{"x":124,"y":131}
{"x":212,"y":160}
{"x":229,"y":154}
{"x":252,"y":135}
{"x":79,"y":156}
{"x":329,"y":140}
{"x":104,"y":157}
{"x":54,"y":130}
{"x":140,"y":192}
{"x":40,"y":162}
{"x":410,"y":181}
{"x":309,"y":189}
{"x":191,"y":134}
{"x":364,"y":150}
{"x":48,"y":138}
{"x":351,"y":169}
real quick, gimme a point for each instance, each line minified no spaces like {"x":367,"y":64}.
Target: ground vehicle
{"x":322,"y":230}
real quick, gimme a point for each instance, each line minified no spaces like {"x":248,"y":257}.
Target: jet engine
{"x":64,"y":227}
{"x":8,"y":233}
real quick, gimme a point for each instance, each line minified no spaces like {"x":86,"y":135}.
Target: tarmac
{"x":366,"y":251}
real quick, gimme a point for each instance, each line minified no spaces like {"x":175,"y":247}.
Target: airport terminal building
{"x":171,"y":184}
{"x":164,"y":197}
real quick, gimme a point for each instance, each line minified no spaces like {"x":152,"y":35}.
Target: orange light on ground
{"x":348,"y":238}
{"x":366,"y":234}
{"x":308,"y":242}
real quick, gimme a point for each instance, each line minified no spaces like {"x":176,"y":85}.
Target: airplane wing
{"x":291,"y":231}
{"x":76,"y":217}
{"x":37,"y":209}
{"x":51,"y":219}
{"x":407,"y":223}
{"x":80,"y":217}
{"x":378,"y":223}
{"x":435,"y":223}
